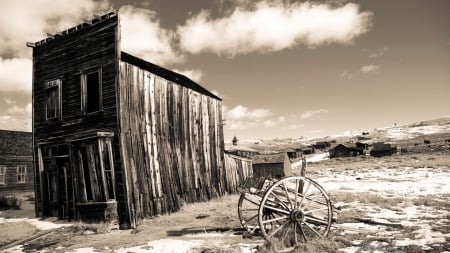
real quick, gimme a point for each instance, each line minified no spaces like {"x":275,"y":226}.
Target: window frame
{"x":84,"y":101}
{"x":19,"y":174}
{"x":3,"y":174}
{"x":53,"y":84}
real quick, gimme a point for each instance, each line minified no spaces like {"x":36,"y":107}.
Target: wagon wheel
{"x":292,"y":211}
{"x":248,"y":206}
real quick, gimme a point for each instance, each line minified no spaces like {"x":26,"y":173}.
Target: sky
{"x":284,"y":69}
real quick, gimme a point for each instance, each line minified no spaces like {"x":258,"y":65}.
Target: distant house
{"x":294,"y":153}
{"x":242,"y":151}
{"x":272,"y":166}
{"x":363,"y":145}
{"x":382,"y":149}
{"x":16,"y":161}
{"x":345,"y":150}
{"x":308,"y":150}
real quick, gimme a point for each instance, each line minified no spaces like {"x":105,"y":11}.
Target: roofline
{"x":166,"y":73}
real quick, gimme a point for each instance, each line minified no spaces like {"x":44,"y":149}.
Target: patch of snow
{"x":15,"y":249}
{"x":163,"y":245}
{"x":83,"y":250}
{"x":39,"y":224}
{"x":318,"y":157}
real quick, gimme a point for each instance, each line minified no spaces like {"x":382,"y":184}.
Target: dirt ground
{"x":384,"y":205}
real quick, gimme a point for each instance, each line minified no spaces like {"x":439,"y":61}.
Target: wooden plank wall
{"x":171,"y":144}
{"x":237,"y":170}
{"x":11,"y":184}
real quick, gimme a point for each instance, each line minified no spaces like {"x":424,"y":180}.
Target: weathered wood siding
{"x":64,"y":57}
{"x":172,"y":143}
{"x":237,"y":169}
{"x":16,"y":150}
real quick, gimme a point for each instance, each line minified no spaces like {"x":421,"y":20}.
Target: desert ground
{"x":399,"y":203}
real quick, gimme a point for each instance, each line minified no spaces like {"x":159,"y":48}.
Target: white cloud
{"x":380,"y":52}
{"x":241,"y":117}
{"x":273,"y":26}
{"x":30,"y":20}
{"x":242,"y":112}
{"x":310,"y":114}
{"x":369,"y":69}
{"x":194,"y":74}
{"x":143,"y":36}
{"x":15,"y":75}
{"x":274,"y":122}
{"x":347,"y":75}
{"x":9,"y":101}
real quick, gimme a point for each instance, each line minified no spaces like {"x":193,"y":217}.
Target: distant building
{"x":308,"y":150}
{"x":272,"y":166}
{"x":363,"y":145}
{"x":345,"y":150}
{"x":16,"y":161}
{"x":382,"y":149}
{"x":322,"y":144}
{"x":294,"y":153}
{"x":242,"y":151}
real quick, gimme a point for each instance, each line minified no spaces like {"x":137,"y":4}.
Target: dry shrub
{"x":218,"y":248}
{"x":10,"y":202}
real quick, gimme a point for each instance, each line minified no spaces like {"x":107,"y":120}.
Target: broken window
{"x":91,"y":86}
{"x":2,"y":174}
{"x":53,"y":99}
{"x":21,"y":173}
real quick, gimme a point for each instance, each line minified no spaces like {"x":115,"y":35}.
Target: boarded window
{"x":2,"y":174}
{"x":21,"y":173}
{"x":91,"y":86}
{"x":53,"y":99}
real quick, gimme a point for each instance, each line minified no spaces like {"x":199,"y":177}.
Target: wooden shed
{"x":272,"y":165}
{"x":346,"y":150}
{"x":16,"y":162}
{"x":382,"y":149}
{"x":117,"y":138}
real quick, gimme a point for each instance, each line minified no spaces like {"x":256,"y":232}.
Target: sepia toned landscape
{"x":396,"y":203}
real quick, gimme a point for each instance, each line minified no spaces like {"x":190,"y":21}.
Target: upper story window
{"x":53,"y":99}
{"x":91,"y":91}
{"x":2,"y":174}
{"x":21,"y":173}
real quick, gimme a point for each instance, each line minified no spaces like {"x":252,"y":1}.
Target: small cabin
{"x":118,"y":138}
{"x":272,"y":166}
{"x":380,"y":149}
{"x":345,"y":150}
{"x":16,"y":162}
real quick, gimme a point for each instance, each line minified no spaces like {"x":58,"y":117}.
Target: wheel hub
{"x":297,"y":215}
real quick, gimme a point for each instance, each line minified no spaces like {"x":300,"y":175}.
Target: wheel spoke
{"x":278,"y":229}
{"x":317,"y":233}
{"x":287,"y":195}
{"x":297,"y":185}
{"x":301,"y":230}
{"x":251,"y":201}
{"x":276,"y":209}
{"x":315,"y":210}
{"x":312,"y":218}
{"x":304,"y":195}
{"x":281,"y":202}
{"x":251,"y":218}
{"x":276,"y":219}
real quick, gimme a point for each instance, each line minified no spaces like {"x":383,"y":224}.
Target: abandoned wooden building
{"x":117,"y":138}
{"x":345,"y":150}
{"x":16,"y":162}
{"x":240,"y":150}
{"x":272,"y":165}
{"x":380,"y":149}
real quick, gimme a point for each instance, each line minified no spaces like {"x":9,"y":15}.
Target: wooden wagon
{"x":287,"y":211}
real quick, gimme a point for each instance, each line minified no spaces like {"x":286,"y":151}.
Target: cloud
{"x":30,"y":20}
{"x":310,"y":114}
{"x":241,"y":117}
{"x":15,"y":75}
{"x":143,"y":36}
{"x":194,"y":74}
{"x":380,"y":52}
{"x":272,"y":26}
{"x":242,"y":112}
{"x":17,"y":123}
{"x":346,"y":75}
{"x":369,"y":69}
{"x":274,"y":122}
{"x":9,"y":101}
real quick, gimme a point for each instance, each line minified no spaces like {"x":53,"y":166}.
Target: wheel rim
{"x":248,"y":207}
{"x":292,"y":211}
